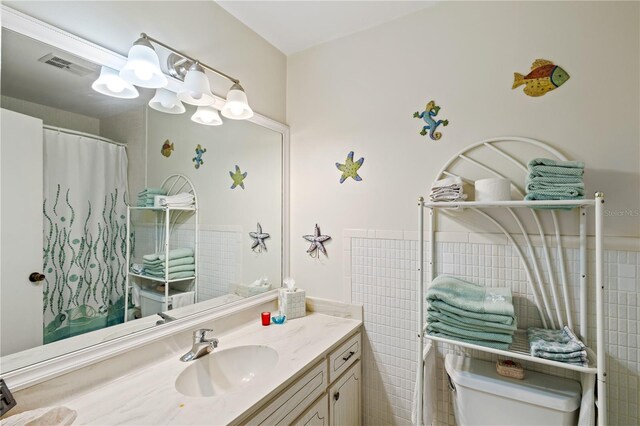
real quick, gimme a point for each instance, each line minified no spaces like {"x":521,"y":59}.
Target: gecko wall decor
{"x":431,"y":110}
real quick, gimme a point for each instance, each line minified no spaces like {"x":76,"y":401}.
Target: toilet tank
{"x":482,"y":397}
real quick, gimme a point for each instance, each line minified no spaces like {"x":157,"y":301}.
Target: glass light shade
{"x":111,"y":84}
{"x":143,"y":66}
{"x":166,"y":101}
{"x":237,"y":107}
{"x":196,"y":89}
{"x":207,"y":115}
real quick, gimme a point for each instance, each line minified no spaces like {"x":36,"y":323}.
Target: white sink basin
{"x":226,"y":370}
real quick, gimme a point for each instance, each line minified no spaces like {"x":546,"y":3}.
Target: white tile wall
{"x":383,"y":278}
{"x":219,"y":256}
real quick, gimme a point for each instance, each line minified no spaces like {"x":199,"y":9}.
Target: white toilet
{"x":482,"y":397}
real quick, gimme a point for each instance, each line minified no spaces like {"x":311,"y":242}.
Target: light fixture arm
{"x":213,"y":70}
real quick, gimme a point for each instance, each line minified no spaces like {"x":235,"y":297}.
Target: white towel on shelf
{"x":183,"y":199}
{"x":587,"y":415}
{"x":429,"y":388}
{"x":448,"y":189}
{"x":178,"y":300}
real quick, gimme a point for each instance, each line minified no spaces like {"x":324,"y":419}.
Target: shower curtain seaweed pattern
{"x":83,"y":272}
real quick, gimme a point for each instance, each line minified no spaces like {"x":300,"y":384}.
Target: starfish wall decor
{"x":258,"y":239}
{"x":317,"y":242}
{"x":350,"y":168}
{"x":238,"y":178}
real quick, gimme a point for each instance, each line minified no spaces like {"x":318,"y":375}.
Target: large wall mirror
{"x":83,"y":181}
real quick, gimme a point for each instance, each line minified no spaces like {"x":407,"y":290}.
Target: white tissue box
{"x":292,"y":303}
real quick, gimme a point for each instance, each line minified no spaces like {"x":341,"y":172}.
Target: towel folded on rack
{"x":183,"y":199}
{"x":473,"y":324}
{"x":173,"y":262}
{"x":465,"y":333}
{"x":471,"y":297}
{"x":489,"y":344}
{"x":448,"y":189}
{"x":507,"y":320}
{"x":177,"y":268}
{"x":549,"y":167}
{"x":174,"y":275}
{"x":173,"y":254}
{"x":557,"y":345}
{"x":146,"y":196}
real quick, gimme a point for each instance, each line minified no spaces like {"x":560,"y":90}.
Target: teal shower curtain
{"x":85,"y":194}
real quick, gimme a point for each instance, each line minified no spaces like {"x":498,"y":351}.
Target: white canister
{"x":494,"y":189}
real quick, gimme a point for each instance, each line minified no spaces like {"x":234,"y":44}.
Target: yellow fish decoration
{"x":167,"y":148}
{"x":544,"y":77}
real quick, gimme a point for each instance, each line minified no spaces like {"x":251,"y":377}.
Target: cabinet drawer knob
{"x":336,"y":396}
{"x":346,"y":358}
{"x":35,"y":277}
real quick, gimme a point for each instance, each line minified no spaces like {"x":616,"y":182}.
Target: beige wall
{"x":198,"y":28}
{"x":359,"y":92}
{"x":53,"y":116}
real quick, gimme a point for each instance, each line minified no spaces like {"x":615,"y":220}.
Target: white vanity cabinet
{"x":326,"y":394}
{"x":344,"y":398}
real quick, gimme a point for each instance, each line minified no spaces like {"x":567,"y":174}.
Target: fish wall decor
{"x":544,"y":77}
{"x":167,"y":148}
{"x":430,"y":111}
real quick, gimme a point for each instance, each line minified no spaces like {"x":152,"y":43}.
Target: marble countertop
{"x":148,"y":396}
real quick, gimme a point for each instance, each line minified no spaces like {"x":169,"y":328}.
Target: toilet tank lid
{"x":544,"y":390}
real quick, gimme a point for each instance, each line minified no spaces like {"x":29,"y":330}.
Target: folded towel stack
{"x":183,"y":199}
{"x":555,"y":180}
{"x":448,"y":189}
{"x":182,"y":264}
{"x":466,"y":312}
{"x":147,"y":196}
{"x":557,"y":345}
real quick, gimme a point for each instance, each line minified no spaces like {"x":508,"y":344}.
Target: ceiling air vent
{"x":67,"y":65}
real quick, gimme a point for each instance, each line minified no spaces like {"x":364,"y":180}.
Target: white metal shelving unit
{"x":536,"y":280}
{"x":165,"y":221}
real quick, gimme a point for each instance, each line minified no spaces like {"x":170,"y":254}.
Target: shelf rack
{"x":165,"y":220}
{"x":520,"y":347}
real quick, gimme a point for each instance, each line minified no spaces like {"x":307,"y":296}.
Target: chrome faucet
{"x":202,"y":345}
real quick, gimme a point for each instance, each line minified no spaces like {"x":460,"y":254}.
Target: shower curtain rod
{"x":88,"y":135}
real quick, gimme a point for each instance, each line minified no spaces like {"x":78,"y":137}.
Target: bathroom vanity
{"x":305,"y":372}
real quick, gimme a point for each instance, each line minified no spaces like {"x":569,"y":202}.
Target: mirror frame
{"x":55,"y":365}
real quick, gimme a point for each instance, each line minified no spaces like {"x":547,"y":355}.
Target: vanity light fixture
{"x":196,"y":89}
{"x":166,"y":101}
{"x":111,"y":84}
{"x":237,"y":107}
{"x":143,"y":66}
{"x":207,"y":115}
{"x":196,"y":85}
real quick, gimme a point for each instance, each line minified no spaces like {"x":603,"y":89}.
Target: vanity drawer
{"x":294,"y":400}
{"x":343,"y":357}
{"x":316,"y":415}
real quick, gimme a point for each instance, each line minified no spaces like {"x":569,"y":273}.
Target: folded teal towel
{"x":557,"y":345}
{"x":555,"y":180}
{"x":471,"y":297}
{"x":495,"y":345}
{"x":556,"y":163}
{"x":175,"y":275}
{"x":469,"y":323}
{"x":154,"y":191}
{"x":557,"y":193}
{"x":160,"y":270}
{"x":173,"y":262}
{"x":492,"y":318}
{"x":173,"y":254}
{"x":470,"y":334}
